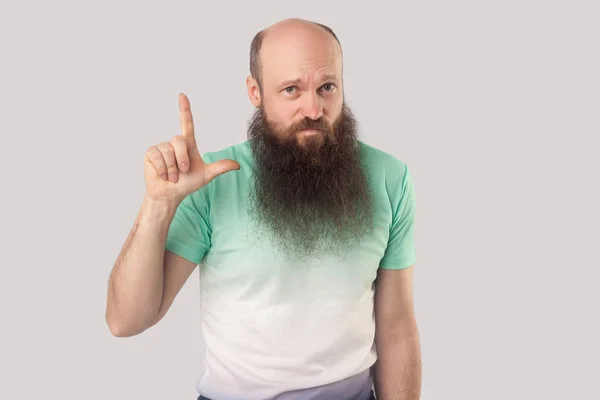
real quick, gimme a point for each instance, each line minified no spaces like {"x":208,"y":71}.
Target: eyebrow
{"x":293,"y":82}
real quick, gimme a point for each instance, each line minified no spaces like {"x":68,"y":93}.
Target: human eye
{"x":290,"y":89}
{"x":328,"y":87}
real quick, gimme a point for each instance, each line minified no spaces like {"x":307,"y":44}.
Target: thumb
{"x":220,"y":167}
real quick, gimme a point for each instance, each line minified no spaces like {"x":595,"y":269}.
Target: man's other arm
{"x":398,"y":369}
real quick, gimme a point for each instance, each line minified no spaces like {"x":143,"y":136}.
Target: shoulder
{"x":239,"y":152}
{"x":382,"y":164}
{"x":225,"y":184}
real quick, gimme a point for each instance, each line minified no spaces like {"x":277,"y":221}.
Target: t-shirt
{"x":277,"y":327}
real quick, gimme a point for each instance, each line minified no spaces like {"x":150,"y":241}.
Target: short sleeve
{"x":400,"y":252}
{"x":189,"y":233}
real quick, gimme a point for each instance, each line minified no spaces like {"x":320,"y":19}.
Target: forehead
{"x":300,"y":56}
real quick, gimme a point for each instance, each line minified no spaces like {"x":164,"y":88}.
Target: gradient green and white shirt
{"x":272,"y":327}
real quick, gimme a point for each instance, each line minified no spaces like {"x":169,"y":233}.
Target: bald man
{"x":304,"y":235}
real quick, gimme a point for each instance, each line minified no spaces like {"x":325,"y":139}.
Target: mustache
{"x":312,"y":124}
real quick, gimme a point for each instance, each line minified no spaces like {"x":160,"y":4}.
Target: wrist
{"x":161,"y":202}
{"x":156,"y":210}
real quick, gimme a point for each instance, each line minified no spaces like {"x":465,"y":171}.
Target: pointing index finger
{"x":187,"y":121}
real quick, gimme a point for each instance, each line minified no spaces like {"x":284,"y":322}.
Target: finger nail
{"x":164,"y":176}
{"x":184,"y":166}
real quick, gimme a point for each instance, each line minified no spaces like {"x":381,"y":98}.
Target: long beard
{"x":314,"y":196}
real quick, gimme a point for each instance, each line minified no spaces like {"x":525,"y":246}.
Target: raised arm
{"x":145,"y":277}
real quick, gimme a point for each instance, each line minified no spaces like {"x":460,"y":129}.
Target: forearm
{"x":398,"y":369}
{"x":136,"y":281}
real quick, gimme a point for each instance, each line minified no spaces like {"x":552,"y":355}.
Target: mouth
{"x":310,"y":132}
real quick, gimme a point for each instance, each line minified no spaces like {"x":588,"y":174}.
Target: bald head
{"x":292,"y":34}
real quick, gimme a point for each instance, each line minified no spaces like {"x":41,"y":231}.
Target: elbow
{"x":119,"y":329}
{"x":122,"y":328}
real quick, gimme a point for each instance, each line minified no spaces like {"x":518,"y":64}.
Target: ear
{"x":253,"y":91}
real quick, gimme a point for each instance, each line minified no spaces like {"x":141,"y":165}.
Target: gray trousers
{"x":371,"y":397}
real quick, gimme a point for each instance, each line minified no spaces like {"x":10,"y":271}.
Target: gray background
{"x":494,"y":105}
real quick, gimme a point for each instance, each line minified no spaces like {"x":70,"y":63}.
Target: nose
{"x":313,"y":108}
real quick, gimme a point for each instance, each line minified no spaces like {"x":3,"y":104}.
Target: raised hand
{"x":175,"y":169}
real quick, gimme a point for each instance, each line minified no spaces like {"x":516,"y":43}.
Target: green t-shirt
{"x":273,"y":326}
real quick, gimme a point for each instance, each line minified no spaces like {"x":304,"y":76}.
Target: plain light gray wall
{"x":494,"y":106}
